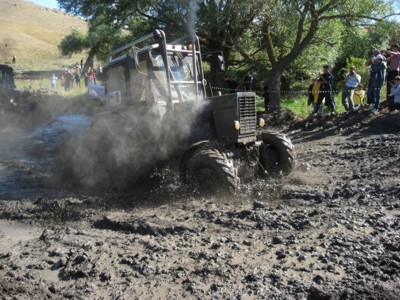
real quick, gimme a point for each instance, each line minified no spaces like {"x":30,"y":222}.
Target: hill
{"x":32,"y":32}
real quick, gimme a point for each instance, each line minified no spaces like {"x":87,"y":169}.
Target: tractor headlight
{"x":236,"y":125}
{"x":261,"y":122}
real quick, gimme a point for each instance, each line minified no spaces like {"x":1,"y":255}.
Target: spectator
{"x":248,"y":82}
{"x":377,"y":79}
{"x":68,"y":78}
{"x":352,"y":81}
{"x":54,"y":81}
{"x":394,"y":69}
{"x":326,"y":93}
{"x":395,"y":93}
{"x":359,"y":95}
{"x":14,"y":59}
{"x":371,"y":60}
{"x":370,"y":101}
{"x":314,"y":93}
{"x":92,"y":76}
{"x":78,"y":78}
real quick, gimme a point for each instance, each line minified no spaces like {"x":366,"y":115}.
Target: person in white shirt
{"x":352,"y":81}
{"x":54,"y":81}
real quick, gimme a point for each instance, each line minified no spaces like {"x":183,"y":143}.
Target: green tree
{"x":290,"y":27}
{"x":220,"y":24}
{"x":98,"y":41}
{"x":273,"y":34}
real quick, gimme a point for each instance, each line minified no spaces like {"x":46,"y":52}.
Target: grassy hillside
{"x":32,"y":33}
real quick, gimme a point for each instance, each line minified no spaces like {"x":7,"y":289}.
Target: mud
{"x":330,"y":230}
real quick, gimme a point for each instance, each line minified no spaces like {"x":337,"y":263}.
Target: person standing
{"x":395,"y":93}
{"x":92,"y":76}
{"x":377,"y":79}
{"x":326,"y":79}
{"x":248,"y":82}
{"x":67,"y":80}
{"x":54,"y":81}
{"x":393,"y":70}
{"x":78,"y":78}
{"x":352,"y":81}
{"x":368,"y":63}
{"x":359,"y":95}
{"x":313,"y":93}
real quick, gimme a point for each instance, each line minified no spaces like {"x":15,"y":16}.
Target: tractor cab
{"x":159,"y":75}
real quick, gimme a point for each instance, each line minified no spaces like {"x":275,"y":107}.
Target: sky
{"x":46,"y":3}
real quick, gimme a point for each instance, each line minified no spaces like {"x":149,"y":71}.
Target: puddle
{"x":27,"y":156}
{"x":49,"y":275}
{"x":14,"y":232}
{"x":11,"y":233}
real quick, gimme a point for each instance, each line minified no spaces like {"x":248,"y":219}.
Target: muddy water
{"x":27,"y":155}
{"x":15,"y":232}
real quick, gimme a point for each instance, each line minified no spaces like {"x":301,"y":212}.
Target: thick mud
{"x":330,"y":230}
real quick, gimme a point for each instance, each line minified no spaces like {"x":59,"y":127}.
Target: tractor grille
{"x":247,"y":114}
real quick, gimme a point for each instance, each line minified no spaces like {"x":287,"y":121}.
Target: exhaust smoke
{"x":192,"y":18}
{"x":120,"y":147}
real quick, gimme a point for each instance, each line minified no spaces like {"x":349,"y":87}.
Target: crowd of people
{"x":73,"y":75}
{"x":384,"y":67}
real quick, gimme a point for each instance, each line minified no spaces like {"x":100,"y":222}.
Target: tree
{"x":220,"y":24}
{"x":98,"y":41}
{"x":288,"y":27}
{"x":272,"y":33}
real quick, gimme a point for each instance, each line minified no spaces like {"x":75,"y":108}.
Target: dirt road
{"x":331,"y":230}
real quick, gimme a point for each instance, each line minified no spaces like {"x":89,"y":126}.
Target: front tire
{"x":277,"y":154}
{"x":211,"y":172}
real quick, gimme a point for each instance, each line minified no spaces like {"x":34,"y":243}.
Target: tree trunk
{"x":274,"y":88}
{"x":89,"y":62}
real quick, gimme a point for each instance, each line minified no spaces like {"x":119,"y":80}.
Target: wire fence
{"x":225,"y":90}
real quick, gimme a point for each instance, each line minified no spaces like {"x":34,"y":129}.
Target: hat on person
{"x":397,"y":78}
{"x":379,"y":56}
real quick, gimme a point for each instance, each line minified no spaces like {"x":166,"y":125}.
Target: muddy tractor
{"x":158,"y":110}
{"x":12,"y":99}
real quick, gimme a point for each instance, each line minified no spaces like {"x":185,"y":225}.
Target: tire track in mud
{"x":328,"y":231}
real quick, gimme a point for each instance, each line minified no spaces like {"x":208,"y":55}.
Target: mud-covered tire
{"x":277,"y":155}
{"x":211,"y":172}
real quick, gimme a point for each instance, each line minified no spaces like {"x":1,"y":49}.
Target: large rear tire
{"x":211,"y":172}
{"x":277,"y":155}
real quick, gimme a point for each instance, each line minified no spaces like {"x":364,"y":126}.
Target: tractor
{"x":157,"y":109}
{"x":12,"y":99}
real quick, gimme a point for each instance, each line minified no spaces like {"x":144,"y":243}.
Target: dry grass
{"x":32,"y":33}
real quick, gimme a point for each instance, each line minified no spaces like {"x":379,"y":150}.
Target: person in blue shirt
{"x":377,"y":79}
